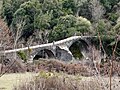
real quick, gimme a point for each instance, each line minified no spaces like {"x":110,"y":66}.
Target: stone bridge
{"x":58,"y":49}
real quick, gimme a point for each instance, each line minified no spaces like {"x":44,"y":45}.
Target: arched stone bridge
{"x":59,"y":49}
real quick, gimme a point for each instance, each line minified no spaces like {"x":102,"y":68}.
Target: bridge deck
{"x":48,"y":44}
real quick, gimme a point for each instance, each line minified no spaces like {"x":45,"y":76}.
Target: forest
{"x":43,"y":21}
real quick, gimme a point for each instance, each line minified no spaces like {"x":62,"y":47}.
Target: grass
{"x":62,"y":81}
{"x":9,"y":80}
{"x":56,"y":81}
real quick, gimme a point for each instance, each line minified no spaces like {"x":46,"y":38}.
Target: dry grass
{"x":9,"y":80}
{"x":55,"y":81}
{"x":60,"y":66}
{"x":73,"y":68}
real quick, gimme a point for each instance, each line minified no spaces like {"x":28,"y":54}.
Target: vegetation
{"x":51,"y":20}
{"x":22,"y":55}
{"x":14,"y":79}
{"x":54,"y":16}
{"x":56,"y":81}
{"x":59,"y":75}
{"x":24,"y":23}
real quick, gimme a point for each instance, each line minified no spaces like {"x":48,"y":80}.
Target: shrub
{"x":22,"y":55}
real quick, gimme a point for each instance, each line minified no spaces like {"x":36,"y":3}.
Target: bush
{"x":22,"y":55}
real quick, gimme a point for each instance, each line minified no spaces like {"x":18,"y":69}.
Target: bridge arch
{"x":44,"y":53}
{"x":63,"y":54}
{"x":78,"y":48}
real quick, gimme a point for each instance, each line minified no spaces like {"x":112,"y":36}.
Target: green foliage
{"x":116,"y":28}
{"x":46,"y":14}
{"x":105,"y":28}
{"x":75,"y":49}
{"x":22,"y":55}
{"x":82,"y":9}
{"x":64,"y":28}
{"x":7,"y":12}
{"x":83,"y":25}
{"x":118,"y":49}
{"x":101,"y":27}
{"x":27,"y":12}
{"x":9,"y":8}
{"x":62,"y":18}
{"x":69,"y":6}
{"x":109,"y":44}
{"x":42,"y":21}
{"x":70,"y":25}
{"x":54,"y":9}
{"x":113,"y":17}
{"x":108,"y":4}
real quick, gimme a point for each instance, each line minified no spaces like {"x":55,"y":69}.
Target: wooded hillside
{"x":34,"y":22}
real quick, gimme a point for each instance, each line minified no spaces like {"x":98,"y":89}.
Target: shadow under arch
{"x":78,"y":47}
{"x":44,"y":53}
{"x":63,"y":54}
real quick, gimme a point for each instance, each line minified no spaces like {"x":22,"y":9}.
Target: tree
{"x":83,"y":26}
{"x":18,"y":27}
{"x":97,"y":10}
{"x":103,"y":27}
{"x":55,"y":8}
{"x":42,"y":24}
{"x":70,"y":25}
{"x":64,"y":28}
{"x":9,"y":7}
{"x":7,"y":12}
{"x":116,"y":28}
{"x":27,"y":12}
{"x":78,"y":4}
{"x":108,"y":4}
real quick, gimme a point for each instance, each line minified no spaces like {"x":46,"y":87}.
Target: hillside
{"x":33,"y":22}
